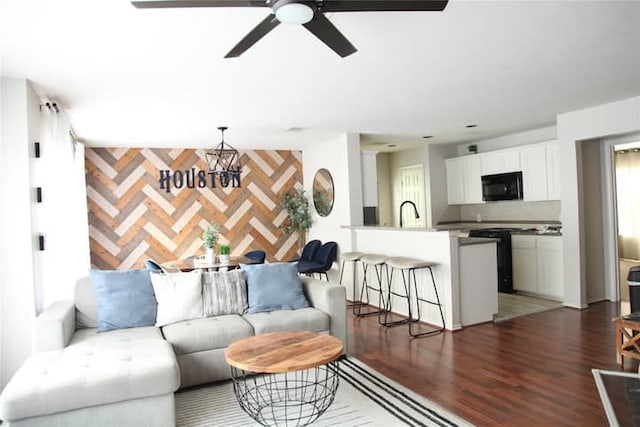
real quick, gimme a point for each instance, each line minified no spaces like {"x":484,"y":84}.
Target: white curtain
{"x":62,"y":215}
{"x":627,"y":165}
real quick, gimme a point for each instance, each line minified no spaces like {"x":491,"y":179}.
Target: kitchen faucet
{"x":415,"y":209}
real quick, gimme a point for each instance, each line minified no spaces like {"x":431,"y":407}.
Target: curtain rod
{"x":51,"y":106}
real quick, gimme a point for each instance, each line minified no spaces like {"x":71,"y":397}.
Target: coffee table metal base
{"x":295,"y":398}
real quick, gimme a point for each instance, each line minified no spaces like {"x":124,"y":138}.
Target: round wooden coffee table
{"x":300,"y":376}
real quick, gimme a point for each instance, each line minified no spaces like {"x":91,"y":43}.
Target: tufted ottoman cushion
{"x":95,"y":369}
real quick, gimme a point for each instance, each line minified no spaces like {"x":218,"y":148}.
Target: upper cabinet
{"x":553,"y":171}
{"x":464,"y":185}
{"x":540,"y":172}
{"x":501,"y":161}
{"x":538,"y":163}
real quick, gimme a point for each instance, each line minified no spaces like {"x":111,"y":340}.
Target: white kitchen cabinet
{"x":501,"y":161}
{"x":549,"y":256}
{"x":473,"y":181}
{"x":539,"y":164}
{"x":553,"y":171}
{"x":463,"y":180}
{"x":537,"y":265}
{"x":525,"y":266}
{"x":455,"y":180}
{"x":540,"y":172}
{"x":534,"y":173}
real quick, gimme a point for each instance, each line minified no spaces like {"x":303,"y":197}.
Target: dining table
{"x":199,"y":263}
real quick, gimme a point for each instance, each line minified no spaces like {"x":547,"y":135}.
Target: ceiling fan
{"x":309,"y":13}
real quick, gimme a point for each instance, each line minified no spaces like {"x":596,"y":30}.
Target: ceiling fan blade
{"x":383,"y":5}
{"x":323,"y":29}
{"x":267,"y":24}
{"x":157,"y":4}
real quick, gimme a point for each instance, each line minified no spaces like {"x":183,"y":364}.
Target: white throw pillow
{"x":179,"y":296}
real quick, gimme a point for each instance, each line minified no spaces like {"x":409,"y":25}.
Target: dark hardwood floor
{"x":529,"y":371}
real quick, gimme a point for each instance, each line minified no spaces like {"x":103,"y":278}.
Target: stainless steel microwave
{"x":502,"y":186}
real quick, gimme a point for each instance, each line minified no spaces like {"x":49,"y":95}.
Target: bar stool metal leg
{"x":419,"y":299}
{"x":383,"y":318}
{"x":377,"y":261}
{"x":408,"y":267}
{"x":353,"y":258}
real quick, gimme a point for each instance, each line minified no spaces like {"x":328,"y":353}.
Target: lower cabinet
{"x":537,"y":265}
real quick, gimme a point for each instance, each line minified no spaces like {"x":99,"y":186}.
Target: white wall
{"x":32,"y":279}
{"x":341,"y":157}
{"x":369,"y":178}
{"x":543,"y":211}
{"x":385,"y":197}
{"x":17,"y":242}
{"x":608,"y":120}
{"x":593,"y":218}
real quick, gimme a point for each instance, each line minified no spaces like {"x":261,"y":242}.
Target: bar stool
{"x":378,"y":263}
{"x":408,"y":267}
{"x":353,"y":258}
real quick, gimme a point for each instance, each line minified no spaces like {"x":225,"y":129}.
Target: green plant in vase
{"x":209,"y":239}
{"x":298,"y":219}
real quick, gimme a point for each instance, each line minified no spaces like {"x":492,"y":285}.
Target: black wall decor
{"x":41,"y":242}
{"x":36,"y":149}
{"x":39,"y":194}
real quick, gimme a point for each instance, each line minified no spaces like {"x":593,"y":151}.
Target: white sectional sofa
{"x":127,"y":377}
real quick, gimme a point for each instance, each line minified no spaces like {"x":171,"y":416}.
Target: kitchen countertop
{"x":537,"y":233}
{"x":499,"y":222}
{"x":533,"y":228}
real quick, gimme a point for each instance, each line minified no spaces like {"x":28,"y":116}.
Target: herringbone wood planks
{"x":132,"y":219}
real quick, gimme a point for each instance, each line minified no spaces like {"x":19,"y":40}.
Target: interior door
{"x":412,"y":188}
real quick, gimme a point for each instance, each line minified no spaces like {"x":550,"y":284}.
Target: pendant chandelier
{"x":224,"y":161}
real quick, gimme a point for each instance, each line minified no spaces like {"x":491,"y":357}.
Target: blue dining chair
{"x":308,"y":253}
{"x":153,"y":266}
{"x":257,"y":256}
{"x":322,"y":261}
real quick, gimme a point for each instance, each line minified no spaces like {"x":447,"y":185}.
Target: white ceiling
{"x":132,"y":77}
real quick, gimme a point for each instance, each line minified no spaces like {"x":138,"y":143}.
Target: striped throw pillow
{"x":224,"y":292}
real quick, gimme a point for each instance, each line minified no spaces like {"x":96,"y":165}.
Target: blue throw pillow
{"x":125,"y":299}
{"x":273,"y":287}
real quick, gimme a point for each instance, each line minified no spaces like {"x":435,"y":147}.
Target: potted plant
{"x":224,"y":253}
{"x":209,"y":239}
{"x":298,"y":217}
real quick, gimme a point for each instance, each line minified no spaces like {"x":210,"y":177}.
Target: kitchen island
{"x":465,"y":274}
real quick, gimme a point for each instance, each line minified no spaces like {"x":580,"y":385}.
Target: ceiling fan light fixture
{"x":294,"y":13}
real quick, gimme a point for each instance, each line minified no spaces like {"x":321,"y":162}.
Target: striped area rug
{"x":364,"y":398}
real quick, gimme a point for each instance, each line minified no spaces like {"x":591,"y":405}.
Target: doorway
{"x":412,"y":188}
{"x":627,"y":177}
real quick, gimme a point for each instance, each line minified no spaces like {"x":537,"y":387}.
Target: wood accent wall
{"x":132,"y":219}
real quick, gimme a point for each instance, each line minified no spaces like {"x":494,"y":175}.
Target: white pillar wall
{"x":17,"y":245}
{"x":341,"y":157}
{"x":31,"y":279}
{"x":616,"y":118}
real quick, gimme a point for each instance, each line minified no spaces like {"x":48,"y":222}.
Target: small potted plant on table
{"x":224,"y":254}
